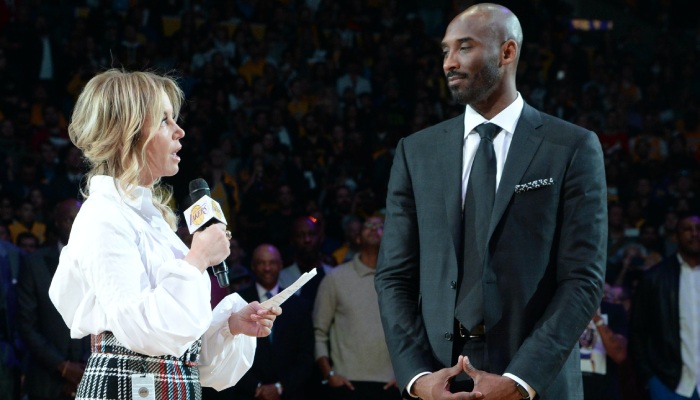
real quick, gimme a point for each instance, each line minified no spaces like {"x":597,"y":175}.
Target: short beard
{"x":485,"y":82}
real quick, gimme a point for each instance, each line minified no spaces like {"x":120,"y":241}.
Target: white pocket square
{"x":536,"y":184}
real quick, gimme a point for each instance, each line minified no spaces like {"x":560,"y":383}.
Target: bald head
{"x":502,"y":23}
{"x":266,"y":264}
{"x":266,"y":251}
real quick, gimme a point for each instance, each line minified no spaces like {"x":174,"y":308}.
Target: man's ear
{"x":509,"y":52}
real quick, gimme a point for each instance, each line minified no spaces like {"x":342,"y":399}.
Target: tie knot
{"x":488,"y":130}
{"x":268,"y":294}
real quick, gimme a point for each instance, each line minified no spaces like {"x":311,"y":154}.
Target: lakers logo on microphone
{"x":197,"y":214}
{"x":217,"y":210}
{"x":202,"y":212}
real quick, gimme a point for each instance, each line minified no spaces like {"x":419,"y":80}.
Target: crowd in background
{"x":294,"y":107}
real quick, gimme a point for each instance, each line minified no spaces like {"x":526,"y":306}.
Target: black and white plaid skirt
{"x":111,"y":365}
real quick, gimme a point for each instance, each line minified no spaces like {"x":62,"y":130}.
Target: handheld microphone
{"x":203,"y":212}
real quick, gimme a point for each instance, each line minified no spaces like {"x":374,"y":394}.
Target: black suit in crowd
{"x":42,"y":329}
{"x":655,"y":327}
{"x":287,"y":358}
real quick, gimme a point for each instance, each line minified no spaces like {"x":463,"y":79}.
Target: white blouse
{"x":122,"y":271}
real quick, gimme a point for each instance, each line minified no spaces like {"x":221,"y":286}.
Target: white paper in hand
{"x":286,"y":293}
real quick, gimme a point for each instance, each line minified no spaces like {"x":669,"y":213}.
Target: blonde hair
{"x":114,"y":119}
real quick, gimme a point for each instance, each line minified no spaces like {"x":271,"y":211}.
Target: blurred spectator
{"x":352,"y":227}
{"x":635,"y":259}
{"x":668,"y":233}
{"x":351,"y":350}
{"x":340,"y":207}
{"x":25,"y":221}
{"x":9,"y":338}
{"x":27,"y":178}
{"x":278,"y":223}
{"x":306,"y":242}
{"x":38,"y":200}
{"x":224,"y":188}
{"x":57,"y":361}
{"x":4,"y":233}
{"x":7,"y":210}
{"x":649,"y":238}
{"x":664,"y":324}
{"x":27,"y":242}
{"x":68,"y":177}
{"x":352,"y":80}
{"x":52,"y":130}
{"x":617,"y":238}
{"x":283,"y":364}
{"x":609,"y":328}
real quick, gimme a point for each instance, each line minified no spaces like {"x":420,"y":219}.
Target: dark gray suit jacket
{"x":41,"y":327}
{"x":545,"y":260}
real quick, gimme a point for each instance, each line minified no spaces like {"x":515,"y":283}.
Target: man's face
{"x":285,"y":196}
{"x":353,"y":231}
{"x":28,"y":243}
{"x":6,"y":209}
{"x":372,"y":232}
{"x":470,"y":59}
{"x":616,"y":216}
{"x":648,"y":236}
{"x":305,"y":237}
{"x":688,"y":232}
{"x":266,"y":265}
{"x":26,"y":213}
{"x":343,"y":199}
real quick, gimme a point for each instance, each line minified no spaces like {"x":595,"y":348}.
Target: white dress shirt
{"x":122,"y":271}
{"x":689,"y":304}
{"x":262,"y":292}
{"x":507,"y":120}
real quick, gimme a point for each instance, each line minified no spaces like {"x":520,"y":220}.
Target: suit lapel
{"x":526,"y":141}
{"x":449,"y":150}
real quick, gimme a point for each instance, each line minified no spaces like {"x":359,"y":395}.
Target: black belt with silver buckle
{"x":478,"y":332}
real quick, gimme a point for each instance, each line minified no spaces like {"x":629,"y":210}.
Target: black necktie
{"x":478,"y":204}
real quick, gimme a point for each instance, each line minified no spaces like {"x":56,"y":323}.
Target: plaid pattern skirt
{"x":110,"y":366}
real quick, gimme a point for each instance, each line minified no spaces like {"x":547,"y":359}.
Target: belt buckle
{"x":461,"y":330}
{"x":479,"y":332}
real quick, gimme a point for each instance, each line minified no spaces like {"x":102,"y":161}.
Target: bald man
{"x":492,"y":260}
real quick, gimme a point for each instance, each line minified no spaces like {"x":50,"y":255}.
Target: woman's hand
{"x":209,"y":247}
{"x":253,"y":320}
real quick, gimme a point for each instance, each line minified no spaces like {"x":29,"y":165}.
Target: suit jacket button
{"x":453,"y":284}
{"x":448,"y":336}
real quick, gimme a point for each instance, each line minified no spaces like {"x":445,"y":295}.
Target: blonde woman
{"x":125,"y":277}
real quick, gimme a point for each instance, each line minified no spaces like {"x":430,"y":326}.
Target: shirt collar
{"x":361,"y":268}
{"x":141,"y":200}
{"x":506,"y":119}
{"x":261,"y":290}
{"x":684,"y":264}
